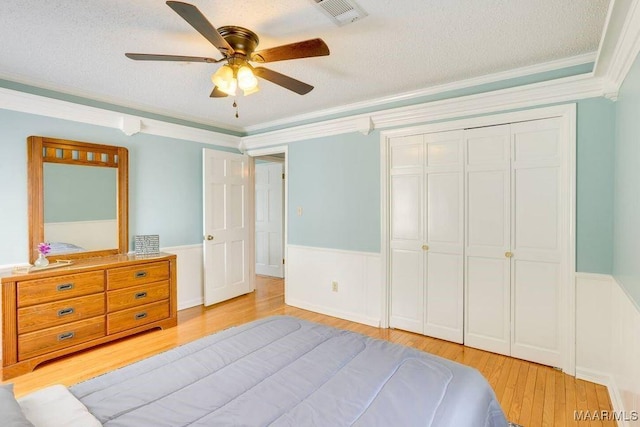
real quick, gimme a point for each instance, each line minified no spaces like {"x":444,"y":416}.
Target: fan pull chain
{"x":235,"y":105}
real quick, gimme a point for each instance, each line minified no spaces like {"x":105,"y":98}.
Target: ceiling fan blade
{"x":197,"y":20}
{"x":305,"y":49}
{"x":153,"y":57}
{"x":286,"y":82}
{"x":217,"y":93}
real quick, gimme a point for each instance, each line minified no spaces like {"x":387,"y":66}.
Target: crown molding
{"x":462,"y":84}
{"x":549,"y":92}
{"x":619,"y":45}
{"x":50,"y":107}
{"x":89,"y":96}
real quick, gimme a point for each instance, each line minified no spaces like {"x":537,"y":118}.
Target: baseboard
{"x":593,"y":376}
{"x":617,"y":404}
{"x":353,"y":317}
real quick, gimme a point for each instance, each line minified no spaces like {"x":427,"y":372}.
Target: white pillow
{"x":55,"y":406}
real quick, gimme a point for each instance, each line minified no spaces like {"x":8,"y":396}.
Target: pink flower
{"x":44,"y":248}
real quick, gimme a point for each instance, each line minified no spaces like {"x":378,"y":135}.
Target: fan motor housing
{"x":242,"y":40}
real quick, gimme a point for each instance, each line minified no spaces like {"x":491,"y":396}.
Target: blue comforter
{"x":284,"y":371}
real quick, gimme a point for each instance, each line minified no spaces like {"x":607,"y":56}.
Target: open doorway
{"x":270,"y":200}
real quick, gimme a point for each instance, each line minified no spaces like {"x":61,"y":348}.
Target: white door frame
{"x":279,"y":149}
{"x":567,"y":113}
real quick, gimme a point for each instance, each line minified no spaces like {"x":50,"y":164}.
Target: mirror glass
{"x":80,"y":207}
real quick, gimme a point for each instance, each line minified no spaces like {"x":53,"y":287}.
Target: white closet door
{"x":540,"y":218}
{"x":487,"y":218}
{"x":444,"y":183}
{"x":407,"y":233}
{"x":269,"y":219}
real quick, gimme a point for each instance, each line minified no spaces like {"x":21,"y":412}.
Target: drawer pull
{"x":140,"y":274}
{"x":141,"y":315}
{"x":66,"y":336}
{"x":65,"y":311}
{"x":141,"y":295}
{"x":65,"y":287}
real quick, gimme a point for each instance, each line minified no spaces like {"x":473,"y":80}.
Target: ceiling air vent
{"x":341,"y":12}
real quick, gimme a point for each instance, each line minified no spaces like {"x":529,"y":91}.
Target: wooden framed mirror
{"x":78,"y":198}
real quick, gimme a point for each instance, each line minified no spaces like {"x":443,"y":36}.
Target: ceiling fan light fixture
{"x":248,"y":92}
{"x":246,"y":80}
{"x":224,"y":80}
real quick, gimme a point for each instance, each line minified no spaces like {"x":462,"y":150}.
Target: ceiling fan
{"x":237,"y":45}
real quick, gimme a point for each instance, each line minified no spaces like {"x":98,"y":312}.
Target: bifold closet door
{"x":407,"y":260}
{"x":488,"y":231}
{"x":540,"y":220}
{"x":427,"y":240}
{"x":444,"y":183}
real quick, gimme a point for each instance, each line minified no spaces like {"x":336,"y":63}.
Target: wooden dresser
{"x":51,"y":313}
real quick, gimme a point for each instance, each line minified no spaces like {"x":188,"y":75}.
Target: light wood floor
{"x":530,"y":394}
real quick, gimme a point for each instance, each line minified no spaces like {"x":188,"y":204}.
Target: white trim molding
{"x":550,"y":92}
{"x":447,"y":87}
{"x":567,"y":113}
{"x":619,"y":45}
{"x":50,"y":107}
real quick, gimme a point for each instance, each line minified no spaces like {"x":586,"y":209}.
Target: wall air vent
{"x":341,"y":12}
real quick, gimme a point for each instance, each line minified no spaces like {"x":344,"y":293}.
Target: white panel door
{"x":407,"y":258}
{"x":444,"y":183}
{"x":540,"y":219}
{"x":226,"y":230}
{"x":269,"y":219}
{"x":487,"y":239}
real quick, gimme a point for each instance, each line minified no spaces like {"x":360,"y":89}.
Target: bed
{"x":284,"y":371}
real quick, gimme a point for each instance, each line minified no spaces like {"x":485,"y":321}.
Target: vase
{"x":41,"y":261}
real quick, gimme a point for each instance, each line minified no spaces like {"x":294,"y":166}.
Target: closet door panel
{"x":444,"y":201}
{"x":444,"y":297}
{"x":540,"y":219}
{"x":444,"y":303}
{"x":407,"y":233}
{"x":488,"y":307}
{"x":487,"y":236}
{"x":407,"y":291}
{"x":535,"y":316}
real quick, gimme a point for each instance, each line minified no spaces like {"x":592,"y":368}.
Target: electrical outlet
{"x":299,"y":211}
{"x":334,"y":286}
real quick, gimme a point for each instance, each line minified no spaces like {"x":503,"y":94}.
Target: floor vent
{"x":341,"y":12}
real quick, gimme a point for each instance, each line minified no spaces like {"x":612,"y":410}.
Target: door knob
{"x":508,"y":254}
{"x":209,"y":237}
{"x":425,"y":247}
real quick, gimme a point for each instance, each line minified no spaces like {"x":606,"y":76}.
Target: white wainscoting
{"x":607,"y":340}
{"x":190,"y":276}
{"x":309,"y":277}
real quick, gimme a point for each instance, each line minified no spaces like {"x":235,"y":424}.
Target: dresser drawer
{"x":123,"y":277}
{"x":137,"y":316}
{"x":31,"y":292}
{"x":59,"y":337}
{"x":137,"y":295}
{"x":43,"y":316}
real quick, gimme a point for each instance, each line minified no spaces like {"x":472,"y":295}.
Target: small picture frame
{"x":147,"y":244}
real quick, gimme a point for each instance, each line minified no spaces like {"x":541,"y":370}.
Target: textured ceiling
{"x":78,"y":46}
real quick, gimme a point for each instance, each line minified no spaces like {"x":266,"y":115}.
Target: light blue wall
{"x":626,"y":248}
{"x":594,"y":198}
{"x":336,"y":180}
{"x":79,"y":193}
{"x":165,"y":181}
